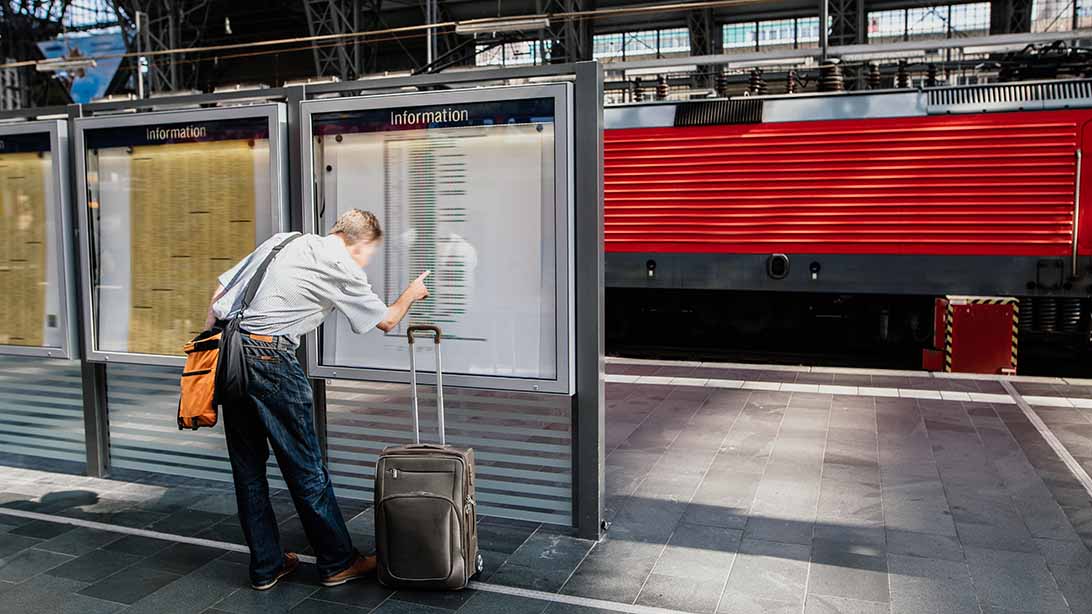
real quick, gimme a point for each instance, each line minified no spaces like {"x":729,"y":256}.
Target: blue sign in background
{"x":95,"y":79}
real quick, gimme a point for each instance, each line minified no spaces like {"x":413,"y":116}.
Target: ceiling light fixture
{"x":490,"y":26}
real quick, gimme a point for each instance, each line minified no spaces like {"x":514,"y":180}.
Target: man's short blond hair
{"x":358,"y":225}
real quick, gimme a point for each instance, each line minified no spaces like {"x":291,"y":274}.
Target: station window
{"x":519,"y":53}
{"x":667,"y":42}
{"x":929,"y":22}
{"x":771,"y":34}
{"x":1060,"y":15}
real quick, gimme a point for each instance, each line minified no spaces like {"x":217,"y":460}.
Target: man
{"x":312,"y":276}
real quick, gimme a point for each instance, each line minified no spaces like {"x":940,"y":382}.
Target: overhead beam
{"x":843,"y":50}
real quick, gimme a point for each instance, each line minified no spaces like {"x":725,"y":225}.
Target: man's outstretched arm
{"x":414,"y":292}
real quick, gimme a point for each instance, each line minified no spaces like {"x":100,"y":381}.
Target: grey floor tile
{"x":222,"y":504}
{"x":678,"y":593}
{"x":606,"y":581}
{"x":79,"y":541}
{"x":699,"y":552}
{"x":846,"y":532}
{"x":1076,"y":585}
{"x":138,"y":545}
{"x":445,"y":600}
{"x":843,"y":571}
{"x":393,"y":606}
{"x":12,"y":544}
{"x":1010,"y":538}
{"x":779,"y":530}
{"x":182,"y":558}
{"x":499,"y":538}
{"x":1013,"y":580}
{"x":826,"y":604}
{"x":551,"y":550}
{"x":732,"y":602}
{"x":930,"y":586}
{"x":189,"y":522}
{"x":770,"y":571}
{"x":130,"y":585}
{"x":1068,"y":553}
{"x":94,"y":566}
{"x":314,"y":606}
{"x":362,"y":593}
{"x":194,"y":592}
{"x":29,"y":563}
{"x":497,"y":603}
{"x":536,"y":578}
{"x":924,"y":545}
{"x":51,"y":595}
{"x":40,"y":529}
{"x":281,"y":599}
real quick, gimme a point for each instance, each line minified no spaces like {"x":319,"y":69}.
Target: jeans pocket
{"x":265,"y":376}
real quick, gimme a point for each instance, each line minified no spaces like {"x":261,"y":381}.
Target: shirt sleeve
{"x":360,"y":304}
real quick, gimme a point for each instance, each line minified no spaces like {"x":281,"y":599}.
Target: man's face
{"x":362,"y":252}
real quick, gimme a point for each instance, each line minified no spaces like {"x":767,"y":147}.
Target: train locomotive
{"x":829,"y":222}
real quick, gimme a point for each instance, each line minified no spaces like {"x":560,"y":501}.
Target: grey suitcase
{"x":426,"y":525}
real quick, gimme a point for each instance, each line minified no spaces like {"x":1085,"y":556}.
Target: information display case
{"x":474,"y":185}
{"x":37,"y":312}
{"x":170,"y":200}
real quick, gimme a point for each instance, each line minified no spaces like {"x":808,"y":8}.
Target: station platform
{"x":730,"y":488}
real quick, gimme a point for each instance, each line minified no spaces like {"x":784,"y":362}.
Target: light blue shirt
{"x":311,"y":277}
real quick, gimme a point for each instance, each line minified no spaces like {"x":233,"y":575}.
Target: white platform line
{"x":1052,"y":440}
{"x":211,"y":543}
{"x":750,"y":366}
{"x":853,"y":391}
{"x":587,"y":602}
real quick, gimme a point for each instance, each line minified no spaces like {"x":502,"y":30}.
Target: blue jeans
{"x":280,"y":415}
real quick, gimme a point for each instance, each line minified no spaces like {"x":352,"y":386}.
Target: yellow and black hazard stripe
{"x":981,"y":300}
{"x":949,"y":312}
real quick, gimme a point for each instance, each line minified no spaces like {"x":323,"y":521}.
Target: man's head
{"x":361,"y":233}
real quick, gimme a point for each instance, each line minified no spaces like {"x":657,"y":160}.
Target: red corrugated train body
{"x":963,"y":190}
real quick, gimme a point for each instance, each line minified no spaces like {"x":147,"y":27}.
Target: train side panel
{"x":930,"y":204}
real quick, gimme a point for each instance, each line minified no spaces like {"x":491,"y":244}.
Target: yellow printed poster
{"x":192,"y":208}
{"x":23,"y":249}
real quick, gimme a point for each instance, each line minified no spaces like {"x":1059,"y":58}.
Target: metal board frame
{"x":564,"y":180}
{"x":275,"y":114}
{"x":62,"y":240}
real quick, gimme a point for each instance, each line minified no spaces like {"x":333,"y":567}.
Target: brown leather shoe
{"x":363,"y":566}
{"x":291,"y":564}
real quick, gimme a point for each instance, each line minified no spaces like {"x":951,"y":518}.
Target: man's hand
{"x":417,"y":289}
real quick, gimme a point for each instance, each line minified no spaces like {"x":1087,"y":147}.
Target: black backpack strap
{"x":256,"y":280}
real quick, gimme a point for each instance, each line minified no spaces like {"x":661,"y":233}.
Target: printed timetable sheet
{"x":168,"y":218}
{"x":474,"y":204}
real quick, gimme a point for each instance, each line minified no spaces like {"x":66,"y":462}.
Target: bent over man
{"x":312,"y":276}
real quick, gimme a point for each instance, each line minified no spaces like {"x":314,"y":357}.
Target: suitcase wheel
{"x":479,"y":564}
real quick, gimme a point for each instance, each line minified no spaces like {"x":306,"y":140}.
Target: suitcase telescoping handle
{"x":435,"y":330}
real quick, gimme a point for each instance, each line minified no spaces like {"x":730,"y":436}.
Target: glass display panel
{"x":170,"y":207}
{"x":467,"y":191}
{"x":31,"y":312}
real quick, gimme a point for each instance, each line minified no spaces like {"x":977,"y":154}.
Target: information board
{"x":474,"y":187}
{"x":33,"y":314}
{"x":174,"y":202}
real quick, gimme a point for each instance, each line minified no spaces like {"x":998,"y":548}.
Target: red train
{"x":854,"y":203}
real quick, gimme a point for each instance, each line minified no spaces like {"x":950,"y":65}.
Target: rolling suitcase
{"x":426,"y":526}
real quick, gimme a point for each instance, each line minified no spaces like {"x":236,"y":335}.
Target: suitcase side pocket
{"x":419,"y":539}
